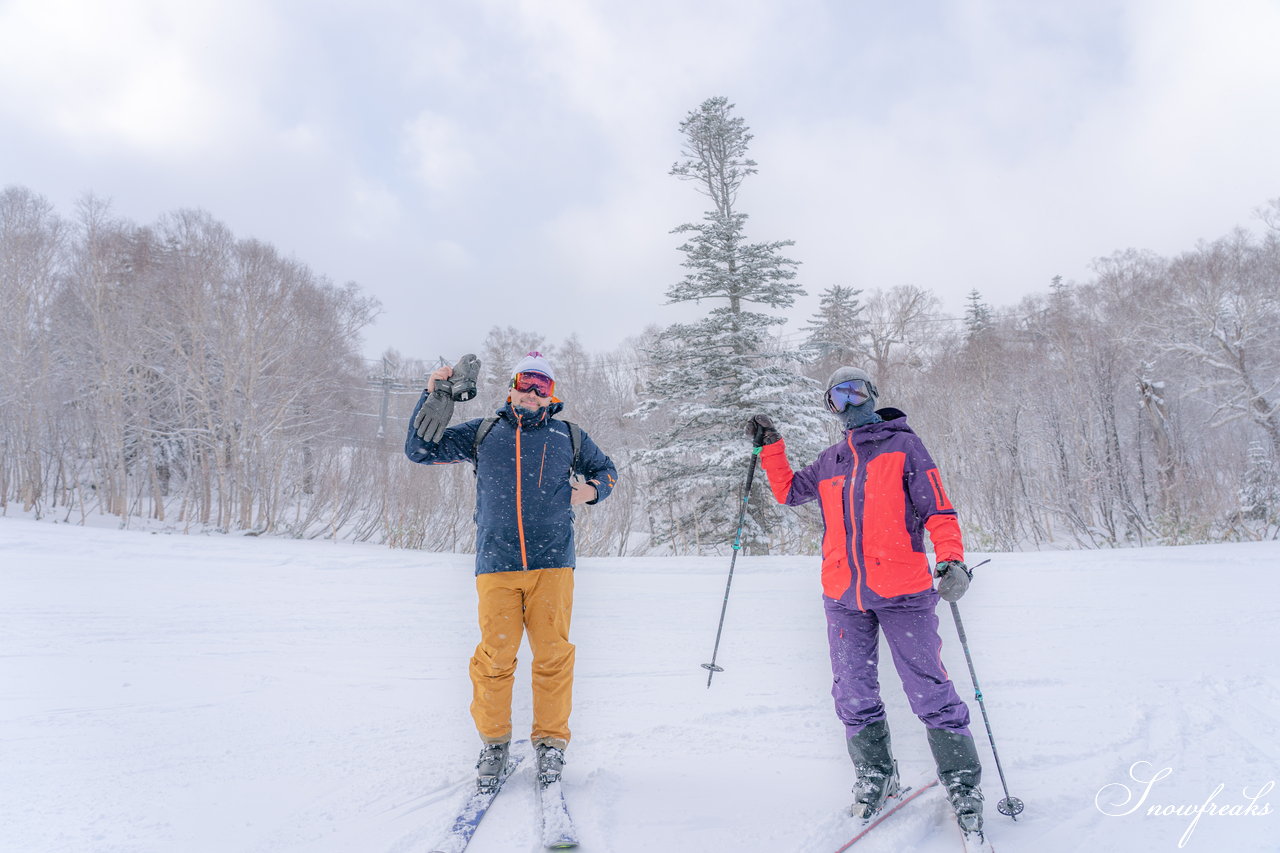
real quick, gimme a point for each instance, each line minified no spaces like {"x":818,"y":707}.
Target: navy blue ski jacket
{"x":523,"y":516}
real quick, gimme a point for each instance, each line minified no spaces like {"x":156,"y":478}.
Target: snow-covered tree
{"x":977,"y":316}
{"x":901,"y":330}
{"x":1260,"y":496}
{"x":178,"y":372}
{"x":32,"y":242}
{"x":711,"y":375}
{"x":502,"y":350}
{"x":835,"y":335}
{"x":1225,"y":317}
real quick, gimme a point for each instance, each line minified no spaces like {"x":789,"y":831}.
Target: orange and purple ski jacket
{"x":879,"y":492}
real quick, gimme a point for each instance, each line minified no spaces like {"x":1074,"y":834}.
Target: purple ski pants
{"x":910,"y":626}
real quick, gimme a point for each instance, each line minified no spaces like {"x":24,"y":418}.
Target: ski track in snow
{"x":173,"y":694}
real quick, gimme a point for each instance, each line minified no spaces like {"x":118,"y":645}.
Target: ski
{"x":473,"y":811}
{"x":975,"y":842}
{"x":558,"y":832}
{"x":903,"y":797}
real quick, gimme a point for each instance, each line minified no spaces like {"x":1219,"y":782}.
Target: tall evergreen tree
{"x":834,"y":336}
{"x":1260,"y":497}
{"x":977,"y":316}
{"x":709,"y":376}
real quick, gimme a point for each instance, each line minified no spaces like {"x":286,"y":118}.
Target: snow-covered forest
{"x":179,"y":374}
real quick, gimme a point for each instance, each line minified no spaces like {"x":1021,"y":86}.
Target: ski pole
{"x":1011,"y":806}
{"x":737,"y":546}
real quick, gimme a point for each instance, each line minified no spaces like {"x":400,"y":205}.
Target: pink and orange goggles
{"x":538,"y":383}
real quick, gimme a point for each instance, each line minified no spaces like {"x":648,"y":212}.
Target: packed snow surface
{"x":234,"y":695}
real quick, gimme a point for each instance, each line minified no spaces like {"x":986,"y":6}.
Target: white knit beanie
{"x":535,"y":362}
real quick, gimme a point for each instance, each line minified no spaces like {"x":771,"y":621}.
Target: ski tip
{"x":977,"y":842}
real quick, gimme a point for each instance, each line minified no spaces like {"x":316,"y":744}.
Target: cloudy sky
{"x":505,"y":162}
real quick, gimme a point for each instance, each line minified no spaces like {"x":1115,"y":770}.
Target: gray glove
{"x":463,"y":381}
{"x":435,"y":413}
{"x":953,"y":579}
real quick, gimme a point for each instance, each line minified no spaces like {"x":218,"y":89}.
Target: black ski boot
{"x":550,"y":762}
{"x":876,"y":769}
{"x":960,"y":774}
{"x":493,"y":760}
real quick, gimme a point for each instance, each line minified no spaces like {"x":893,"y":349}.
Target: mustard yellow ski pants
{"x":540,"y":600}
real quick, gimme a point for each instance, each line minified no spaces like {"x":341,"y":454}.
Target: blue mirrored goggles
{"x":855,"y":392}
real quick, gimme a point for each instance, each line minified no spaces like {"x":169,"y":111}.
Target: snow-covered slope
{"x":189,"y":694}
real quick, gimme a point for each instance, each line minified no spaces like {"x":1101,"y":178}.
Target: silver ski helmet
{"x":843,"y":375}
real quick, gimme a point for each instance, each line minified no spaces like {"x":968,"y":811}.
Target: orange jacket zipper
{"x":524,"y":555}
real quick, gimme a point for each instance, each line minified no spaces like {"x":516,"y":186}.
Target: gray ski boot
{"x":960,"y":774}
{"x":876,"y":769}
{"x":493,"y":760}
{"x":550,"y":762}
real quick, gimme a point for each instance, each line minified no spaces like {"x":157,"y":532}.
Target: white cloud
{"x":442,"y":154}
{"x":628,"y":72}
{"x":372,"y":210}
{"x":449,"y":255}
{"x":1204,"y":85}
{"x":526,"y":143}
{"x":1020,"y":166}
{"x":149,"y":75}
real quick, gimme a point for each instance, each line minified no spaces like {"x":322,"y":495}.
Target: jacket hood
{"x":891,"y":420}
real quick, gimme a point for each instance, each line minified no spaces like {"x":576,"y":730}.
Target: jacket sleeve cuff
{"x":773,"y":459}
{"x":944,"y":532}
{"x":604,"y":486}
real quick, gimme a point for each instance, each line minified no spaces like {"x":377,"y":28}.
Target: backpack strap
{"x":481,"y":432}
{"x":575,"y":440}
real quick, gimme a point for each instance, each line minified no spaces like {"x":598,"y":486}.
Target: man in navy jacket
{"x":525,"y":493}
